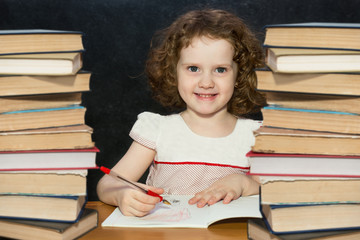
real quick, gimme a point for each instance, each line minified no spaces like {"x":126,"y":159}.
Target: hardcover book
{"x":304,"y":190}
{"x":305,"y":60}
{"x":15,"y":85}
{"x":257,"y":230}
{"x":45,"y":230}
{"x":326,"y":102}
{"x":42,"y":118}
{"x":56,"y":182}
{"x":27,"y":102}
{"x":62,"y":63}
{"x":41,"y":207}
{"x":67,"y":137}
{"x":48,"y":159}
{"x":39,"y":40}
{"x":311,"y":217}
{"x":311,"y":119}
{"x":281,"y":140}
{"x":310,"y":165}
{"x":317,"y":83}
{"x":314,"y":35}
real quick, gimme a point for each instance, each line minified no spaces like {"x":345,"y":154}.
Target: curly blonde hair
{"x":165,"y":50}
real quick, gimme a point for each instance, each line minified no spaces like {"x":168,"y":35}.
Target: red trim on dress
{"x":202,"y":163}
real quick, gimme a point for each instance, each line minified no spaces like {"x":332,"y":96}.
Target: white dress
{"x":186,"y":163}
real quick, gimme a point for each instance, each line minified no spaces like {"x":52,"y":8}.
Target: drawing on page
{"x":169,"y":215}
{"x":175,"y":213}
{"x":175,"y":202}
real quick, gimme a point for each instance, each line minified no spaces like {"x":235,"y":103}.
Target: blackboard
{"x":117,"y":34}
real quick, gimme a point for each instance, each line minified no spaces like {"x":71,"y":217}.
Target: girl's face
{"x":206,"y":75}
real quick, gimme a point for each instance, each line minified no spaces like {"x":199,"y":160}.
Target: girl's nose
{"x":206,"y":81}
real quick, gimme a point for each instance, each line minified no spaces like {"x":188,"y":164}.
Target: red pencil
{"x":148,"y":192}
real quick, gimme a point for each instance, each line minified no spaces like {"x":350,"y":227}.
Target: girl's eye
{"x":193,"y":69}
{"x":220,"y":70}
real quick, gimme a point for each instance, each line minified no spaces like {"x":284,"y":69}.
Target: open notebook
{"x":182,"y":215}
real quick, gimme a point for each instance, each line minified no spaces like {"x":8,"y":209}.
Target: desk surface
{"x":234,"y":229}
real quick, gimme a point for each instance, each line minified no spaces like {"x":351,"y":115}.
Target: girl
{"x":204,"y":66}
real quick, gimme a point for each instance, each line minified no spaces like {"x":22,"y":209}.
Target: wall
{"x":117,"y":36}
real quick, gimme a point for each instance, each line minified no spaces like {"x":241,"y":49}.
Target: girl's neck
{"x":216,"y":125}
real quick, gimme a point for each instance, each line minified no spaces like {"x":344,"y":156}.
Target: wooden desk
{"x":234,"y":229}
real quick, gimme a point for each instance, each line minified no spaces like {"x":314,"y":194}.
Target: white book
{"x":63,"y":159}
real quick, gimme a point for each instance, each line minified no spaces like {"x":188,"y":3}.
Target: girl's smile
{"x":206,"y":96}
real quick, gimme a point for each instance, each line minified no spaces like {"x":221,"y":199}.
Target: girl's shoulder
{"x":149,"y":126}
{"x":149,"y":116}
{"x":149,"y":121}
{"x":156,"y":118}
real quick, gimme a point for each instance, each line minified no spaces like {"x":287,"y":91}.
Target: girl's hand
{"x":132,"y":166}
{"x":133,"y":202}
{"x":228,"y":188}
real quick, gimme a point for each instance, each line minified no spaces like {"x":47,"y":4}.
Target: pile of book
{"x":307,"y":153}
{"x":46,"y":148}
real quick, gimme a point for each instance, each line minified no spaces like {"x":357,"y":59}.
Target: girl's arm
{"x":228,"y":188}
{"x":132,"y":166}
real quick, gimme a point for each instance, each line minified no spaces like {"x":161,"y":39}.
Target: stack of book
{"x":46,"y":148}
{"x":307,"y":153}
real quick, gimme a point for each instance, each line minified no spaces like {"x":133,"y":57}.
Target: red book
{"x":48,"y":159}
{"x":304,"y":165}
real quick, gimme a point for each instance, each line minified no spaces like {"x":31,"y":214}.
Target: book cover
{"x":57,"y":208}
{"x":30,"y":229}
{"x":299,"y":218}
{"x":257,"y":230}
{"x":36,"y":31}
{"x":314,"y":25}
